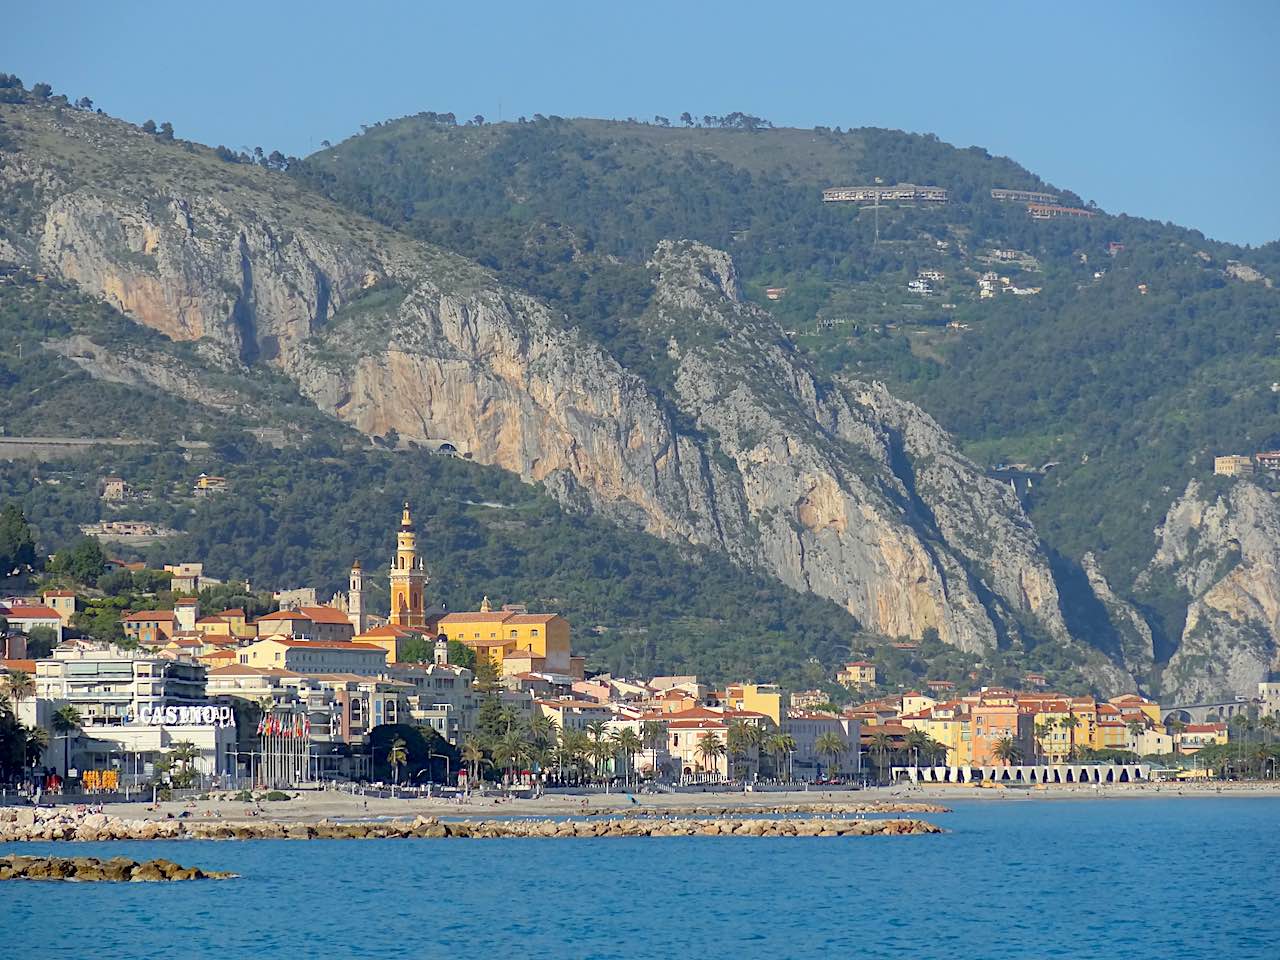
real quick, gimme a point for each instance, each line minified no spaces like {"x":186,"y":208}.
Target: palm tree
{"x":543,"y":731}
{"x":936,"y":751}
{"x":881,"y":746}
{"x":1069,"y":724}
{"x":780,"y":745}
{"x":1176,"y":726}
{"x":628,"y":743}
{"x":575,"y":745}
{"x":1268,"y":725}
{"x":37,"y":743}
{"x":598,"y":731}
{"x":1007,"y":750}
{"x":1136,"y":729}
{"x":472,"y":755}
{"x":742,"y":738}
{"x":184,"y":753}
{"x":916,"y":742}
{"x":710,"y":749}
{"x":603,"y":752}
{"x":1042,"y":733}
{"x":66,"y":719}
{"x":653,"y":734}
{"x":20,"y":685}
{"x":397,"y":757}
{"x":511,"y":752}
{"x":831,"y":744}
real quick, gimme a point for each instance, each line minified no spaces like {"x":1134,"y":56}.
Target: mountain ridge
{"x":719,"y":429}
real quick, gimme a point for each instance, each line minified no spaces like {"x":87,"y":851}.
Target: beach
{"x":312,"y":805}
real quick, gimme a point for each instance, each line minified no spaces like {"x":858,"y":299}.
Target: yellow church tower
{"x":408,"y":578}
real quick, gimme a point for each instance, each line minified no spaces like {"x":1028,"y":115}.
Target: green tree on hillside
{"x":17,"y":546}
{"x":82,"y":563}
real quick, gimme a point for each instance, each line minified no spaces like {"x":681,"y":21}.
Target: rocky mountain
{"x":1223,"y":550}
{"x":717,"y":431}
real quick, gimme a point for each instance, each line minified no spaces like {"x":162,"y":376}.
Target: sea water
{"x":1154,"y":878}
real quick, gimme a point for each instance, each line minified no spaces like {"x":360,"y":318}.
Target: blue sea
{"x":1170,"y":878}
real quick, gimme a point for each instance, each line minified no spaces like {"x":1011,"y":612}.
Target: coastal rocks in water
{"x":117,"y":869}
{"x":68,"y":825}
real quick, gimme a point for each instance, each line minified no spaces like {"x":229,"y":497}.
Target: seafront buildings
{"x":297,"y":694}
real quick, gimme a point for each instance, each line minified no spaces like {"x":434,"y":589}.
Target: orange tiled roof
{"x":320,"y":614}
{"x":22,"y":611}
{"x":496,"y":616}
{"x":532,"y":617}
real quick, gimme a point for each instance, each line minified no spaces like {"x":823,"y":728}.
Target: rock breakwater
{"x":117,"y":870}
{"x":70,"y":825}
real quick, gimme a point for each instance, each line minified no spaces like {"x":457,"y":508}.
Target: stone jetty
{"x":117,"y":869}
{"x":26,"y":824}
{"x":834,"y":807}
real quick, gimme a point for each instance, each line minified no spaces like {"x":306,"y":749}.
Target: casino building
{"x":133,"y":706}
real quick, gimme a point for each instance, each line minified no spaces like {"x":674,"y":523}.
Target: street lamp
{"x":445,"y":758}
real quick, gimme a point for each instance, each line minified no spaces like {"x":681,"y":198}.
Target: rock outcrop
{"x":91,"y":869}
{"x":1135,"y":640}
{"x":1224,"y":552}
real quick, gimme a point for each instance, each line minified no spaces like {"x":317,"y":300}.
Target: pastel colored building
{"x":314,"y":656}
{"x":511,"y":632}
{"x":859,"y":673}
{"x":149,"y":628}
{"x":62,"y":601}
{"x":312,"y":623}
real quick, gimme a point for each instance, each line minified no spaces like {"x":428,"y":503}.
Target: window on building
{"x":533,"y":632}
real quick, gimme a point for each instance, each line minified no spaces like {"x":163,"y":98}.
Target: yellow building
{"x":408,"y":578}
{"x":913,"y":701}
{"x":63,"y":601}
{"x":765,"y":698}
{"x":314,"y":656}
{"x":1050,"y":726}
{"x":213,"y":627}
{"x":239,"y":623}
{"x":860,"y":673}
{"x":1085,"y":733}
{"x":949,"y":724}
{"x":1232,"y":466}
{"x":539,"y":640}
{"x":1130,"y":702}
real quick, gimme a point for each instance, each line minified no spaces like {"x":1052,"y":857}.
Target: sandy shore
{"x":310,"y":806}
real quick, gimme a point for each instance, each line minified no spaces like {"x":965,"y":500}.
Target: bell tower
{"x":408,"y":578}
{"x":357,"y":612}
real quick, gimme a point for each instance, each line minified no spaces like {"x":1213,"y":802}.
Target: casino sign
{"x":205,"y":716}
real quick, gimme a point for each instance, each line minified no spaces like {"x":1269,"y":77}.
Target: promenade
{"x":309,"y":806}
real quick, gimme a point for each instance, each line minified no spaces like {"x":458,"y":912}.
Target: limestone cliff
{"x":731,"y":441}
{"x":1224,"y":552}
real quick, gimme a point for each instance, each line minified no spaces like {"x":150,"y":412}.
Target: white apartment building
{"x":805,"y":727}
{"x":133,"y":706}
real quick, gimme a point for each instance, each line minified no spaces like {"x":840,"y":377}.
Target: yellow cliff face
{"x":822,"y":506}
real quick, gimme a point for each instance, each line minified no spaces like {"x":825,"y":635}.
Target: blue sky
{"x":1149,"y":108}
